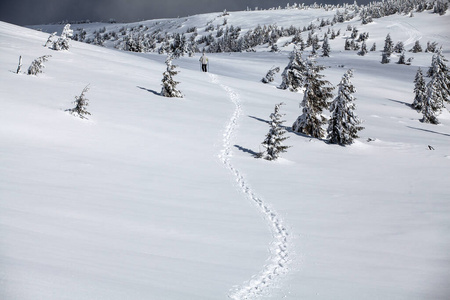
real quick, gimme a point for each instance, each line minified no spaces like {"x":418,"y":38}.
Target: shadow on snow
{"x":151,"y":91}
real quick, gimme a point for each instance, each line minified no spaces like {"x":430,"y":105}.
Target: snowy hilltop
{"x":311,"y":161}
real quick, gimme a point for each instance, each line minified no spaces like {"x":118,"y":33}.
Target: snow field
{"x":134,"y":202}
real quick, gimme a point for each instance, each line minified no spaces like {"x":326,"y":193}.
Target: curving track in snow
{"x":277,"y":264}
{"x":413,"y":33}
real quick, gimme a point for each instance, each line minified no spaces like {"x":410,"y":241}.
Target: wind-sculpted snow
{"x":277,"y":264}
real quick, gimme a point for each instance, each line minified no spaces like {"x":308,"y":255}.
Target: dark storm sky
{"x":30,"y":12}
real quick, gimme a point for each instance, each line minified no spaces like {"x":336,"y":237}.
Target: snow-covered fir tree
{"x":431,"y":105}
{"x":343,"y":125}
{"x":180,"y":46}
{"x":169,"y":85}
{"x":270,"y":75}
{"x":62,"y":43}
{"x":37,"y":65}
{"x":293,"y":75}
{"x":402,"y":59}
{"x":385,"y":58}
{"x":374,"y":47}
{"x":363,"y":50}
{"x":439,"y":72}
{"x":326,"y":46}
{"x":440,"y":7}
{"x":315,"y":45}
{"x":399,"y":47}
{"x":416,"y":48}
{"x":315,"y":100}
{"x":419,"y":91}
{"x":437,"y":89}
{"x":388,"y":45}
{"x":273,"y":143}
{"x":81,"y":102}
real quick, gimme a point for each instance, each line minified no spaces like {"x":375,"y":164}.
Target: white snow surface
{"x":161,"y":198}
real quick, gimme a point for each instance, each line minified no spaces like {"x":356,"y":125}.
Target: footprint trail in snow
{"x":276,"y":265}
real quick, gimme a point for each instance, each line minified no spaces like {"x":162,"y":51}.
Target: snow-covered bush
{"x":50,"y":39}
{"x":431,"y":47}
{"x":169,"y":85}
{"x":273,"y":143}
{"x":81,"y":102}
{"x":343,"y":125}
{"x":63,"y":42}
{"x":37,"y":65}
{"x":270,"y":74}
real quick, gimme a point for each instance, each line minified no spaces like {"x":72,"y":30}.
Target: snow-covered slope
{"x":158,"y":198}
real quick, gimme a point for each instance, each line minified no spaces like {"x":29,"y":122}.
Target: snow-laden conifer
{"x":343,"y":125}
{"x":385,"y":58}
{"x":363,"y":50}
{"x":399,"y":47}
{"x":273,"y":143}
{"x":439,"y":72}
{"x":169,"y":85}
{"x":62,"y":43}
{"x":81,"y":102}
{"x":388,"y":45}
{"x":37,"y":65}
{"x":315,"y":45}
{"x":326,"y":46}
{"x":270,"y":75}
{"x":402,"y":59}
{"x":432,"y":105}
{"x":293,"y":75}
{"x":416,"y":48}
{"x":419,"y":91}
{"x":315,"y":100}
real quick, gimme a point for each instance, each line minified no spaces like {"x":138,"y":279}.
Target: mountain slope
{"x":135,"y":203}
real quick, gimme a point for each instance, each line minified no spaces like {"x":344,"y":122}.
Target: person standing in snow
{"x":204,"y":61}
